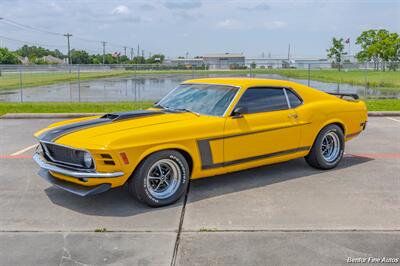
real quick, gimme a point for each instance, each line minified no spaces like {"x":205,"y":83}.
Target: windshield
{"x":199,"y":98}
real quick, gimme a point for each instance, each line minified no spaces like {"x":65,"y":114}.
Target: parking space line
{"x":15,"y":156}
{"x":393,"y":119}
{"x":24,"y":150}
{"x":374,"y":155}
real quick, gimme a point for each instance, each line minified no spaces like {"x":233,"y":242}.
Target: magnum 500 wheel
{"x":328,"y":148}
{"x":161,"y":179}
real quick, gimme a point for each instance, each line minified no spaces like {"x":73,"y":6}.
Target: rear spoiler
{"x":342,"y":95}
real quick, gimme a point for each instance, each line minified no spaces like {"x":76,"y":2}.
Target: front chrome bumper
{"x":44,"y":164}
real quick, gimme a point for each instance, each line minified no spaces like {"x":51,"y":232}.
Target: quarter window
{"x":258,"y":100}
{"x":293,"y":99}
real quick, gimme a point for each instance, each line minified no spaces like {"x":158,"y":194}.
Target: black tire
{"x":316,"y":159}
{"x":140,"y":186}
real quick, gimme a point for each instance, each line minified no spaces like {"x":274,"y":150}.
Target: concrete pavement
{"x":282,"y":214}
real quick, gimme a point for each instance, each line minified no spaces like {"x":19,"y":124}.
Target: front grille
{"x":63,"y":155}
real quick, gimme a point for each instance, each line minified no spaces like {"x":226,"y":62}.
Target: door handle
{"x":292,"y":116}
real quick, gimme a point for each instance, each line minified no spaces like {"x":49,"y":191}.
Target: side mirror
{"x":238,"y":112}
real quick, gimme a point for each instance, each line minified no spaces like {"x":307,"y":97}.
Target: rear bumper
{"x":44,"y":164}
{"x":72,"y":187}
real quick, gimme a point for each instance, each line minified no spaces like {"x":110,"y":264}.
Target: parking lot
{"x":283,"y":214}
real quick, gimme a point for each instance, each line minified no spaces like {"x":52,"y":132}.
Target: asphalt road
{"x":283,"y":214}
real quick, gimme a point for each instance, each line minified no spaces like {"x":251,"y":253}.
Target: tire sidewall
{"x":321,"y":160}
{"x":141,"y":186}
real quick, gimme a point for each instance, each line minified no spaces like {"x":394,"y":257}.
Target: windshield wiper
{"x":176,"y":109}
{"x":186,"y":110}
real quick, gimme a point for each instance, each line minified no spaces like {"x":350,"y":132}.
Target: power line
{"x":31,"y":43}
{"x":27,"y":27}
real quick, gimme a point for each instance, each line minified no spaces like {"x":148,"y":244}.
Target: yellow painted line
{"x":393,"y":119}
{"x":24,"y":150}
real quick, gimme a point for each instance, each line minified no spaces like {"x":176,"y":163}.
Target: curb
{"x":47,"y":115}
{"x":79,"y":115}
{"x":384,"y":113}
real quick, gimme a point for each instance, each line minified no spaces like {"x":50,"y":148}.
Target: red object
{"x":124,"y":157}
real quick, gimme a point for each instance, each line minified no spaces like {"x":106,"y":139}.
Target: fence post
{"x":79,"y":84}
{"x":20,"y":84}
{"x":366,"y":80}
{"x":309,"y":74}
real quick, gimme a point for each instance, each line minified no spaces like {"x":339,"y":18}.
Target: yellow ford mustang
{"x":204,"y":127}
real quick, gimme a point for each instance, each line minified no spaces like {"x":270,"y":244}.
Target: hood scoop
{"x":131,"y":114}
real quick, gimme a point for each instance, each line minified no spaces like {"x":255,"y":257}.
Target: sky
{"x":195,"y":27}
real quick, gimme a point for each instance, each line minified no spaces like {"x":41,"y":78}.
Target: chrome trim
{"x":272,"y":87}
{"x":71,"y":148}
{"x":38,"y":158}
{"x":287,"y":98}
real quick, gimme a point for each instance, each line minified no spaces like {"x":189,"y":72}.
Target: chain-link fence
{"x":109,"y":83}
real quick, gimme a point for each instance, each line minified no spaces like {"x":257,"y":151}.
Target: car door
{"x":269,"y":128}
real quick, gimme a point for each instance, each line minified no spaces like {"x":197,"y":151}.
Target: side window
{"x":259,"y":100}
{"x":293,"y":99}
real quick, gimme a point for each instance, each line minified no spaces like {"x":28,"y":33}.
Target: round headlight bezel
{"x":87,"y":160}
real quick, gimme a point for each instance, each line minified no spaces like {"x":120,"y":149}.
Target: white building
{"x":224,"y":61}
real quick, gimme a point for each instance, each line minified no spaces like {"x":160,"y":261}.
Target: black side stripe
{"x":58,"y":132}
{"x":206,"y":153}
{"x":255,"y":132}
{"x":254,"y":158}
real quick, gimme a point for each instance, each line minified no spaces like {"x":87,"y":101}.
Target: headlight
{"x":87,"y":159}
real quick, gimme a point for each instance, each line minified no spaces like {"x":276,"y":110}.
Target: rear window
{"x":294,"y":100}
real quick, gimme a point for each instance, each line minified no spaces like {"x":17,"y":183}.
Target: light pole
{"x":68,"y":35}
{"x":104,"y":51}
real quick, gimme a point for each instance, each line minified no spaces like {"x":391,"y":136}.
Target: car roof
{"x":243,"y":82}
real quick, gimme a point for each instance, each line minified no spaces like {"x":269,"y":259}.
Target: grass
{"x":383,"y":105}
{"x":107,"y":107}
{"x":53,"y":107}
{"x":388,"y":79}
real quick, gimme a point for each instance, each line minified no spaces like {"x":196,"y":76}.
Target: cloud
{"x":147,"y":7}
{"x":184,"y":4}
{"x":259,"y":7}
{"x":121,"y":10}
{"x":232,"y":24}
{"x":272,"y":25}
{"x":55,"y":6}
{"x":184,"y":15}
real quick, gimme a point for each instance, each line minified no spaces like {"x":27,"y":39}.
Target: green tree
{"x":8,"y":57}
{"x":336,"y":51}
{"x":139,"y":60}
{"x":380,"y":47}
{"x":253,"y":65}
{"x":155,"y":59}
{"x":79,"y":57}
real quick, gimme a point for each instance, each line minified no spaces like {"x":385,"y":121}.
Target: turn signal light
{"x":124,"y":157}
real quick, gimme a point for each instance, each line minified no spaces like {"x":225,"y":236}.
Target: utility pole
{"x":125,"y":50}
{"x":138,"y":51}
{"x":143,"y":53}
{"x":104,"y":51}
{"x":131,"y":53}
{"x":69,"y":51}
{"x":288,"y":52}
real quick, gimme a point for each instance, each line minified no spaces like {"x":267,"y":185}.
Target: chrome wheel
{"x":330,"y":148}
{"x":163,"y":178}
